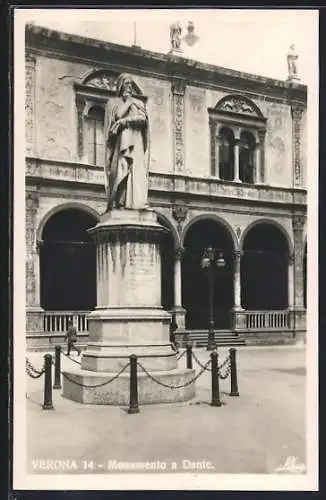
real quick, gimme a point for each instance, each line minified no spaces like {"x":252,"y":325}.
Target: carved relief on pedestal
{"x":178,"y":90}
{"x":30,"y":63}
{"x":297,"y":112}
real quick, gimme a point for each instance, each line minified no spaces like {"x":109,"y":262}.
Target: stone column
{"x":291,"y":282}
{"x":262,"y":174}
{"x":30,"y":133}
{"x":237,"y":159}
{"x":178,"y":310}
{"x":257,"y":164}
{"x":33,"y":308}
{"x":237,"y":280}
{"x":217,"y":156}
{"x":299,"y":317}
{"x":178,"y":87}
{"x":298,"y":222}
{"x":297,"y":112}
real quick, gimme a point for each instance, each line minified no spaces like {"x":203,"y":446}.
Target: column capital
{"x":297,"y":110}
{"x":179,"y":253}
{"x":237,"y":254}
{"x":261,"y":134}
{"x":291,"y":258}
{"x":298,"y":222}
{"x":178,"y":86}
{"x":32,"y":200}
{"x":179,"y":212}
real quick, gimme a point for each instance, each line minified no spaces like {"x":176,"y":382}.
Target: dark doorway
{"x":68,"y":262}
{"x":264,"y":269}
{"x":167,"y":268}
{"x":195,"y":293}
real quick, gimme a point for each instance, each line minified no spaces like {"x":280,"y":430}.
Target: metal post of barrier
{"x":215,"y":380}
{"x":189,"y":356}
{"x":47,"y":404}
{"x":133,"y":405}
{"x":234,"y":377}
{"x":57,"y":368}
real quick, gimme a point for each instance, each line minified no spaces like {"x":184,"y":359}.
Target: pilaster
{"x":33,"y":308}
{"x":178,"y":87}
{"x":297,"y":112}
{"x":30,"y":87}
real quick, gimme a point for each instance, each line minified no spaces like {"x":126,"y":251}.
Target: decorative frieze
{"x":30,"y":64}
{"x":297,"y":112}
{"x":178,"y":90}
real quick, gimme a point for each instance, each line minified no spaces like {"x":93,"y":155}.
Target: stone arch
{"x":237,"y":103}
{"x":171,"y":227}
{"x":266,"y":249}
{"x":272,"y":222}
{"x":215,"y":218}
{"x":59,"y":208}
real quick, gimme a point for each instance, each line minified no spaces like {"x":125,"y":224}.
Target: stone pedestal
{"x":129,"y":318}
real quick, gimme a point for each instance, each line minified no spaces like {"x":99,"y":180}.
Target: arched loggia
{"x":68,"y":262}
{"x":264,"y":268}
{"x":195,"y":291}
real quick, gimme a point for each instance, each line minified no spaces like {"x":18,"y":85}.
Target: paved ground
{"x":254,"y":433}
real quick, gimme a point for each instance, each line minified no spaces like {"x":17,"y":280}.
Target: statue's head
{"x":124,"y":85}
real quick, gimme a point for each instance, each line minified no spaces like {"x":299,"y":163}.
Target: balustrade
{"x":57,"y":321}
{"x":274,"y":320}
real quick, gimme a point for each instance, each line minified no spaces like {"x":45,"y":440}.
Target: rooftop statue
{"x":126,"y":132}
{"x":175,"y":36}
{"x":292,"y":57}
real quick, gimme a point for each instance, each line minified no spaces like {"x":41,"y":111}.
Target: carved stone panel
{"x":32,"y":203}
{"x":30,"y":63}
{"x":178,"y":90}
{"x":297,"y":112}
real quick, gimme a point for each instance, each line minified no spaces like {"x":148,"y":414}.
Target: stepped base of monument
{"x":111,"y":357}
{"x":76,"y":387}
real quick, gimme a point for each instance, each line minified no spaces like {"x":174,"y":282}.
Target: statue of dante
{"x":126,"y":132}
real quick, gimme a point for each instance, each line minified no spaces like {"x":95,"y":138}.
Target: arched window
{"x":246,"y":157}
{"x":226,"y":154}
{"x":95,"y":125}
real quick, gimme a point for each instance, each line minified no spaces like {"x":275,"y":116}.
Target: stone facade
{"x":65,"y":75}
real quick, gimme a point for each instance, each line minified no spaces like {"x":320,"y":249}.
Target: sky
{"x":253,"y":41}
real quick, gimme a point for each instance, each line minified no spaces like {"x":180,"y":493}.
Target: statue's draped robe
{"x":127,"y":155}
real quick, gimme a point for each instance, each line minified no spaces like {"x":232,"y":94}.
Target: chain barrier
{"x":181,"y":355}
{"x":98,"y":385}
{"x":31,"y":371}
{"x":173,"y":386}
{"x":228,"y":368}
{"x":71,"y":359}
{"x":220,"y":368}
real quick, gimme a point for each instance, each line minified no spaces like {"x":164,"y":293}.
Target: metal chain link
{"x":227,"y":360}
{"x":198,"y":362}
{"x":181,"y":355}
{"x":173,"y":386}
{"x":98,"y":385}
{"x":228,"y":369}
{"x":31,"y":371}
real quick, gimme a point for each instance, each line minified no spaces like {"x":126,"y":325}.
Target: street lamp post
{"x":210,"y":264}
